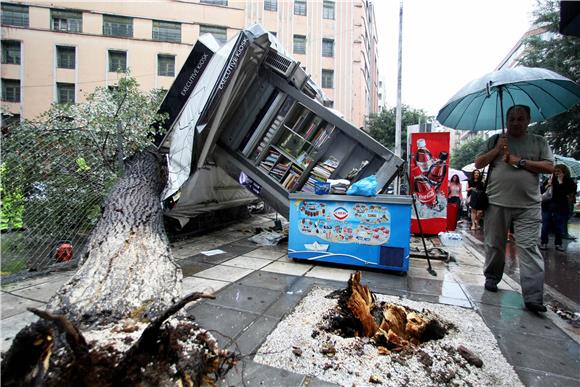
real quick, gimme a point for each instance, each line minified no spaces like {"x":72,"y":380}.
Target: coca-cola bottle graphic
{"x":423,"y":157}
{"x":438,"y":170}
{"x":423,"y":188}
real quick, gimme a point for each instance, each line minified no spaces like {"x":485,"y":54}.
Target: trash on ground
{"x":267,"y":238}
{"x":209,"y":253}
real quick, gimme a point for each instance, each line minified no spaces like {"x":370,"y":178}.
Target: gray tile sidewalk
{"x":257,"y":286}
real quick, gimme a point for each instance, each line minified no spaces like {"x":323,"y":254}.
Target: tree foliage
{"x":466,"y":152}
{"x":62,"y":163}
{"x":558,"y":53}
{"x":382,"y":125}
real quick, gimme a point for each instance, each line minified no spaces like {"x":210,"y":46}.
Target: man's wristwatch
{"x":522,"y":163}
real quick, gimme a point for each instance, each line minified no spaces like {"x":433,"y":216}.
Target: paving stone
{"x":224,"y":273}
{"x":534,"y":378}
{"x":238,"y":249}
{"x":255,"y":374}
{"x":60,"y":277}
{"x":216,"y":259}
{"x":41,"y":292}
{"x":503,"y":298}
{"x":190,"y":267}
{"x":197,"y":284}
{"x":266,"y":253}
{"x":287,"y":268}
{"x":435,"y":287}
{"x":246,"y":262}
{"x":254,"y":335}
{"x":13,"y":305}
{"x":268,"y":280}
{"x":378,"y":282}
{"x":330,"y":273}
{"x":560,"y":357}
{"x":246,"y":298}
{"x":284,"y":305}
{"x":224,"y":323}
{"x":462,"y":302}
{"x":10,"y":326}
{"x":518,"y":320}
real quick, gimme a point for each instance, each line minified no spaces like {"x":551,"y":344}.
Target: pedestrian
{"x":454,"y":194}
{"x":513,"y":188}
{"x":556,"y":207}
{"x":474,"y":186}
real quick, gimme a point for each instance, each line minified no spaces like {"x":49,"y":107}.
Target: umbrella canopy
{"x":478,"y":105}
{"x":572,"y":164}
{"x":462,"y":176}
{"x":471,"y":167}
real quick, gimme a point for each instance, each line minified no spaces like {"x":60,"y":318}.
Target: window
{"x":10,"y":52}
{"x":271,"y":5}
{"x":220,"y":33}
{"x":215,"y":2}
{"x":65,"y":57}
{"x":117,"y":26}
{"x":166,"y":65}
{"x":300,"y":7}
{"x":10,"y":90}
{"x":117,"y":61}
{"x":328,"y":79}
{"x":15,"y":15}
{"x":65,"y":92}
{"x":299,"y":44}
{"x":328,"y":10}
{"x":328,"y":48}
{"x":166,"y":31}
{"x":67,"y":21}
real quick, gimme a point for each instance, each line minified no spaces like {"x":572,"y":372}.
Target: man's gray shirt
{"x":517,"y":187}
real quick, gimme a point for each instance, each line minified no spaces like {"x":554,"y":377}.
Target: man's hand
{"x":513,"y":159}
{"x":501,"y":145}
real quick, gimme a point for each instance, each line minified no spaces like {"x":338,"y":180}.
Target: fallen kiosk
{"x":251,"y":109}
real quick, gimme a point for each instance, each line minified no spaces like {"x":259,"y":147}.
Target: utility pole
{"x":399,"y":82}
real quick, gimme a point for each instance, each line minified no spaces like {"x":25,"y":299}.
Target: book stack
{"x":312,"y":127}
{"x":292,"y":179}
{"x":321,"y":137}
{"x":268,"y":136}
{"x":321,"y":172}
{"x":279,"y":170}
{"x":270,"y":160}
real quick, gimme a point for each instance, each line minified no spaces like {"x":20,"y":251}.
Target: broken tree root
{"x":54,"y":352}
{"x":391,"y":327}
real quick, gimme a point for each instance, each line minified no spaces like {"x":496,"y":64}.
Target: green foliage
{"x":382,"y":125}
{"x":558,"y":53}
{"x":465,"y":154}
{"x":64,"y":162}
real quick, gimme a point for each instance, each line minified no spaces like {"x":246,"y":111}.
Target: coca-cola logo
{"x":426,"y":196}
{"x":340,"y":213}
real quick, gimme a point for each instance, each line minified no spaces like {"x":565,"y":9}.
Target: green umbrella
{"x":480,"y":104}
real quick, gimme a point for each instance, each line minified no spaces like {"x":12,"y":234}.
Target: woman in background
{"x":555,"y":209}
{"x":475,"y":183}
{"x":454,"y":194}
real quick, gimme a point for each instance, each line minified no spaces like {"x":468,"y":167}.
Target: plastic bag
{"x":266,"y":238}
{"x":450,"y":239}
{"x":364,"y":187}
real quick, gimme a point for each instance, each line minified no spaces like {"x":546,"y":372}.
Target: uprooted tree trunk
{"x":113,"y":323}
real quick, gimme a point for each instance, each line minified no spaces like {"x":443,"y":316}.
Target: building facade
{"x":60,"y":51}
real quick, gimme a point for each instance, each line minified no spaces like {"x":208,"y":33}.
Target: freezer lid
{"x":385,"y":199}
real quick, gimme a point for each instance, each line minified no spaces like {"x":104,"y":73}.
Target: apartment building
{"x":60,"y":51}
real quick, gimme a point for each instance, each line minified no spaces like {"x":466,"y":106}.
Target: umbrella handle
{"x":506,"y":151}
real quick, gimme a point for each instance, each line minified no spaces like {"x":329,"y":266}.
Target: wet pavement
{"x":256,"y":287}
{"x":562,"y":269}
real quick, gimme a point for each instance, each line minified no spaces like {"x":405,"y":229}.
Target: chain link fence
{"x":51,"y":200}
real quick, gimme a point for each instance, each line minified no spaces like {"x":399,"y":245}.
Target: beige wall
{"x":355,"y":91}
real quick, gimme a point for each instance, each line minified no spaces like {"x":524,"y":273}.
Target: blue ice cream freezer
{"x":372,"y":232}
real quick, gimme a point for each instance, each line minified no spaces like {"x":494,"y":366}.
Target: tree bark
{"x":127,"y":269}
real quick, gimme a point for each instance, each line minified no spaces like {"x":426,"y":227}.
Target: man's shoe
{"x":537,"y":308}
{"x":491,"y":286}
{"x":543,"y":246}
{"x":560,"y":248}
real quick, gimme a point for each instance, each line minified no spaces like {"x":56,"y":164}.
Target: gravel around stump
{"x":355,"y":361}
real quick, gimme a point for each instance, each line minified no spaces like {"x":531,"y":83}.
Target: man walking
{"x":518,"y":158}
